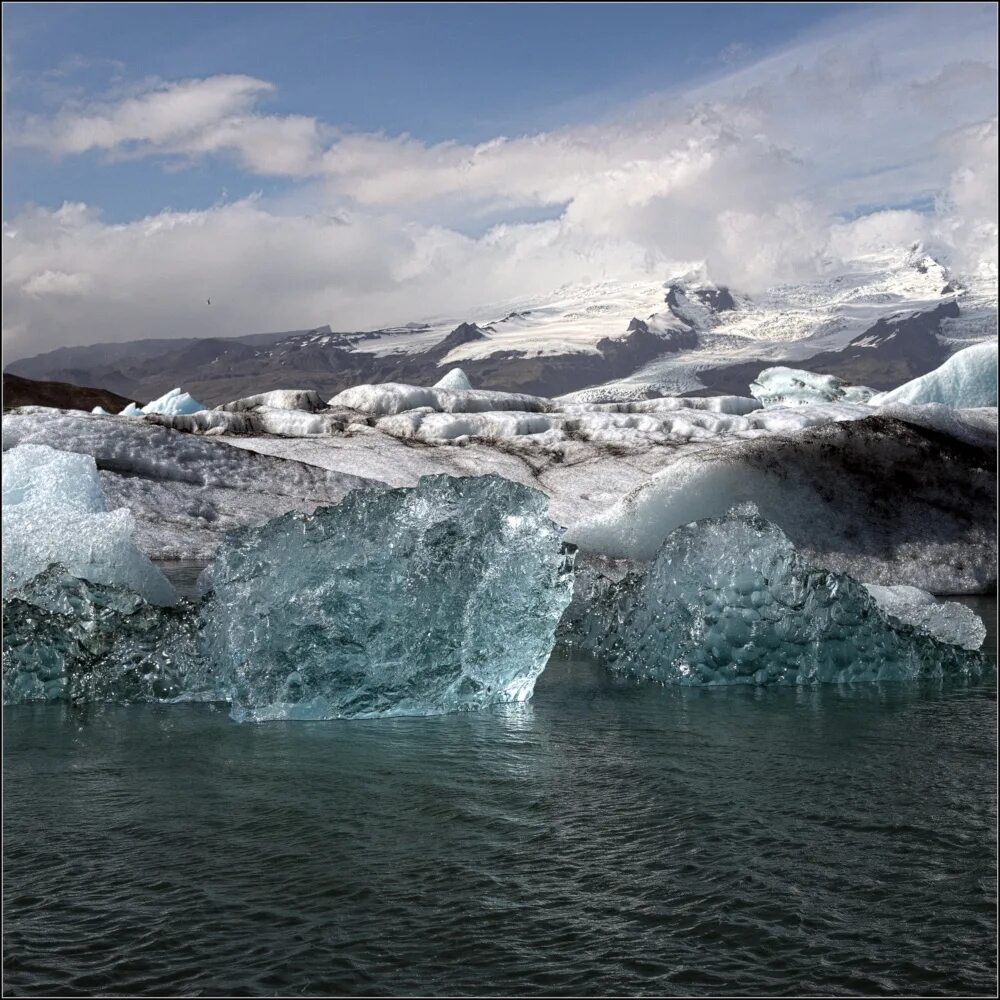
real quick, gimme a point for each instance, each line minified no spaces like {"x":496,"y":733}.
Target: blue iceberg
{"x":730,"y":601}
{"x":439,"y":598}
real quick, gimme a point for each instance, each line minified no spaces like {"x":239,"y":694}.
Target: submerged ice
{"x":730,"y":601}
{"x":413,"y":601}
{"x":67,"y":639}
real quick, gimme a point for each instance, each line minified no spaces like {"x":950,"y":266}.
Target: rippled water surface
{"x":607,"y":838}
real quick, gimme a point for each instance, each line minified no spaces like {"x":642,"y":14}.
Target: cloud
{"x":753,"y":173}
{"x":190,"y":118}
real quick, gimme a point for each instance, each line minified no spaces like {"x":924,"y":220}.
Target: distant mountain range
{"x":879,"y":321}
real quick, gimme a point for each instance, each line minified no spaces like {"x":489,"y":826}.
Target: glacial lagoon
{"x":608,"y":836}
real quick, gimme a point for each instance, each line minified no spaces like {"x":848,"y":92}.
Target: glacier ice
{"x":948,"y":621}
{"x":456,"y":380}
{"x":131,"y":411}
{"x":174,"y":401}
{"x":879,"y":499}
{"x":730,"y":601}
{"x":54,"y":512}
{"x":183,"y":491}
{"x":966,"y":379}
{"x":387,"y":398}
{"x":781,"y":386}
{"x":400,"y":602}
{"x":68,"y":639}
{"x":277,"y":399}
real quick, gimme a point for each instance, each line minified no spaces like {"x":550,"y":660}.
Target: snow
{"x":440,"y":598}
{"x":456,"y":380}
{"x":54,"y":513}
{"x":620,"y":474}
{"x":794,"y":386}
{"x":966,"y":379}
{"x":730,"y":601}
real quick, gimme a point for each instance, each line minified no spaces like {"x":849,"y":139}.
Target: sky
{"x":361,"y":165}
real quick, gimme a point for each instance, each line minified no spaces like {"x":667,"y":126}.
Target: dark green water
{"x":608,"y":838}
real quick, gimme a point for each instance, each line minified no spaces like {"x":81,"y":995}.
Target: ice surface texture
{"x":65,"y":639}
{"x":54,"y":512}
{"x":794,"y":386}
{"x":401,"y":602}
{"x":966,"y":379}
{"x":879,"y":499}
{"x":948,"y":621}
{"x":387,"y":398}
{"x":730,"y":601}
{"x":183,"y":490}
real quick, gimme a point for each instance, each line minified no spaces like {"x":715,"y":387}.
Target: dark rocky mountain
{"x":19,"y":391}
{"x":894,"y":350}
{"x":217,"y":370}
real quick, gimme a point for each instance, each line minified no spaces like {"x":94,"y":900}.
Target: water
{"x":606,"y":838}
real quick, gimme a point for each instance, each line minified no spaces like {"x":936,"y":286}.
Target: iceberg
{"x":174,"y":402}
{"x":67,"y":639}
{"x":730,"y":601}
{"x":781,"y":386}
{"x":948,"y":621}
{"x":438,"y":598}
{"x":967,"y":379}
{"x":54,"y":512}
{"x":456,"y":380}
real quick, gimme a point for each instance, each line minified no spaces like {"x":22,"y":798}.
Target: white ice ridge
{"x":54,"y":512}
{"x":948,"y":621}
{"x":966,"y":379}
{"x":387,"y":398}
{"x":456,"y":380}
{"x":790,"y":386}
{"x":278,"y":399}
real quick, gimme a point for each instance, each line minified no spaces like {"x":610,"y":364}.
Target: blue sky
{"x":464,"y":72}
{"x":368,"y":164}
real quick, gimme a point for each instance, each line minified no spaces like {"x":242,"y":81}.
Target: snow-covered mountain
{"x":878,"y":320}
